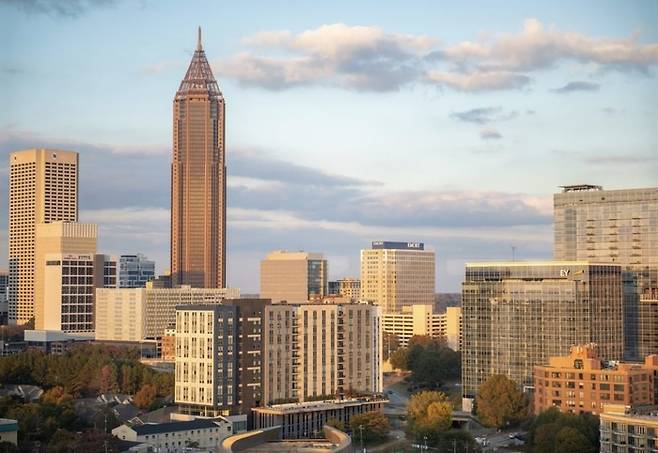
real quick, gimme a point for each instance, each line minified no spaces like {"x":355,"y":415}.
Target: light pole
{"x":424,"y":442}
{"x":361,"y":435}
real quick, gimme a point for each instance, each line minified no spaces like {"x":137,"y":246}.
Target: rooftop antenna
{"x":198,"y":43}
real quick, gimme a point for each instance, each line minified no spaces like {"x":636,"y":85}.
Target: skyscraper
{"x":43,"y":188}
{"x":397,"y":274}
{"x":616,"y":226}
{"x":198,"y":179}
{"x":293,"y":277}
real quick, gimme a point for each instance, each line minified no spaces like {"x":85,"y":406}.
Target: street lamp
{"x":361,"y":434}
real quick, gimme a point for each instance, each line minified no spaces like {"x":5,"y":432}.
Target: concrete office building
{"x":616,"y":226}
{"x":397,"y":274}
{"x":140,"y":314}
{"x":135,"y":271}
{"x":315,"y":350}
{"x":294,"y":277}
{"x":219,"y":357}
{"x":198,"y":178}
{"x":519,"y":314}
{"x":421,"y":320}
{"x":43,"y":187}
{"x":583,"y":383}
{"x":349,"y":288}
{"x":628,"y":430}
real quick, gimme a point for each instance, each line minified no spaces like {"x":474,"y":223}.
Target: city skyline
{"x":304,"y":149}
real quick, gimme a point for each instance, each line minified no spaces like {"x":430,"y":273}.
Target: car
{"x":512,"y":435}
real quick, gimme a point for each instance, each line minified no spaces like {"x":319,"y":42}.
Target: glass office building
{"x":135,"y":271}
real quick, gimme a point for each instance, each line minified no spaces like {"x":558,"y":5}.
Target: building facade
{"x":139,"y":314}
{"x":349,"y":288}
{"x":198,"y":177}
{"x":421,"y":320}
{"x":219,"y":357}
{"x":582,"y":383}
{"x":294,"y":277}
{"x":519,"y":314}
{"x":135,"y":271}
{"x":321,"y":350}
{"x":4,"y":297}
{"x":616,"y":226}
{"x":397,"y":274}
{"x":43,"y":188}
{"x":628,"y":430}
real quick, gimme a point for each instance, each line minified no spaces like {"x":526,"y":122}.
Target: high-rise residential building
{"x":43,"y":187}
{"x":583,"y":383}
{"x":143,"y":314}
{"x":198,"y":177}
{"x":294,"y":277}
{"x":349,"y":288}
{"x":519,"y":314}
{"x":135,"y":271}
{"x":625,"y":429}
{"x":64,"y":276}
{"x":616,"y":226}
{"x":423,"y":321}
{"x":4,"y":297}
{"x":219,"y":352}
{"x":397,"y":274}
{"x":321,"y":350}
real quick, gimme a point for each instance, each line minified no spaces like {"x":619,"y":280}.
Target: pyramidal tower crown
{"x":199,"y":77}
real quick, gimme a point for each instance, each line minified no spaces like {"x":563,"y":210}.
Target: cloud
{"x":483,"y":115}
{"x":357,"y":58}
{"x":490,"y":134}
{"x":576,"y":86}
{"x":478,"y":80}
{"x":622,"y":159}
{"x":59,"y":8}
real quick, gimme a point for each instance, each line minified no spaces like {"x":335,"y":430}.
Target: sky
{"x":449,"y":123}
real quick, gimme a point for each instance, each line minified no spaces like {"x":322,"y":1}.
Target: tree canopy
{"x":500,"y":402}
{"x":375,"y":426}
{"x":429,"y":413}
{"x":554,"y":432}
{"x":429,"y":359}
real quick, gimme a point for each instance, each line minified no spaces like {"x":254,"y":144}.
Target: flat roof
{"x":153,"y":428}
{"x":538,"y":263}
{"x":307,"y":406}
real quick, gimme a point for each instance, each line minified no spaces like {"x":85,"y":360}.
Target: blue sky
{"x":448,"y":123}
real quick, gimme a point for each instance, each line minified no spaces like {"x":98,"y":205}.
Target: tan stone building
{"x":321,"y":350}
{"x":581,"y":382}
{"x":198,"y":177}
{"x":294,"y":277}
{"x":422,"y":320}
{"x":43,"y":187}
{"x":628,"y":430}
{"x":397,"y":274}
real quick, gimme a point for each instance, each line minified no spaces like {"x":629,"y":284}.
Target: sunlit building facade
{"x":294,"y":277}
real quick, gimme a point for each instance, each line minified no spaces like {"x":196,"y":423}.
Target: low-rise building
{"x":306,"y":420}
{"x":628,"y":430}
{"x":176,"y":436}
{"x":422,"y":320}
{"x":168,"y":344}
{"x":9,"y":431}
{"x":582,"y":382}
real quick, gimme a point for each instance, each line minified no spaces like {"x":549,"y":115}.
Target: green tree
{"x":555,"y":432}
{"x":429,"y":413}
{"x":374,"y":426}
{"x":400,"y":359}
{"x":570,"y":439}
{"x":500,"y":402}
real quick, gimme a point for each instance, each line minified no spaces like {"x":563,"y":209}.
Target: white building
{"x":421,"y":320}
{"x":137,"y":314}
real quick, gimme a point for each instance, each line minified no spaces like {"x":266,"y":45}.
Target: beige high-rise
{"x":43,"y":187}
{"x":198,"y":180}
{"x":294,"y":277}
{"x":397,"y":274}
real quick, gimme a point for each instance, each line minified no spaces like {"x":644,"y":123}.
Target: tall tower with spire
{"x":198,"y":179}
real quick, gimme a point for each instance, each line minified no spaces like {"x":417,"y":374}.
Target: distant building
{"x":305,"y":420}
{"x":9,"y":431}
{"x":350,"y":288}
{"x":397,"y":274}
{"x":421,"y":320}
{"x":139,"y":314}
{"x":624,"y":429}
{"x":616,"y":226}
{"x":583,"y":383}
{"x":4,"y":297}
{"x":55,"y":342}
{"x":294,"y":277}
{"x":517,"y":315}
{"x":135,"y":271}
{"x":179,"y":435}
{"x":219,"y":352}
{"x":321,"y":350}
{"x":168,"y":348}
{"x":43,"y":188}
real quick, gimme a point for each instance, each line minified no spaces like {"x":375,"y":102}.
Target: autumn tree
{"x":390,"y":344}
{"x":429,"y":413}
{"x":145,"y":396}
{"x":335,"y":423}
{"x":56,"y":396}
{"x":373,"y":426}
{"x":399,"y":359}
{"x":500,"y":402}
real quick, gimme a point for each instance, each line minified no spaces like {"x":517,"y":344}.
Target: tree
{"x":57,"y":396}
{"x":399,"y":359}
{"x":390,"y":344}
{"x":108,"y":379}
{"x":335,"y":423}
{"x":554,"y":432}
{"x":374,"y":426}
{"x":145,"y":396}
{"x":429,"y":413}
{"x":500,"y":402}
{"x":570,"y":439}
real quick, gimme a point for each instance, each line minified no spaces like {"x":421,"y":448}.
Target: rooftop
{"x":173,"y":426}
{"x":580,"y":188}
{"x":308,"y":406}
